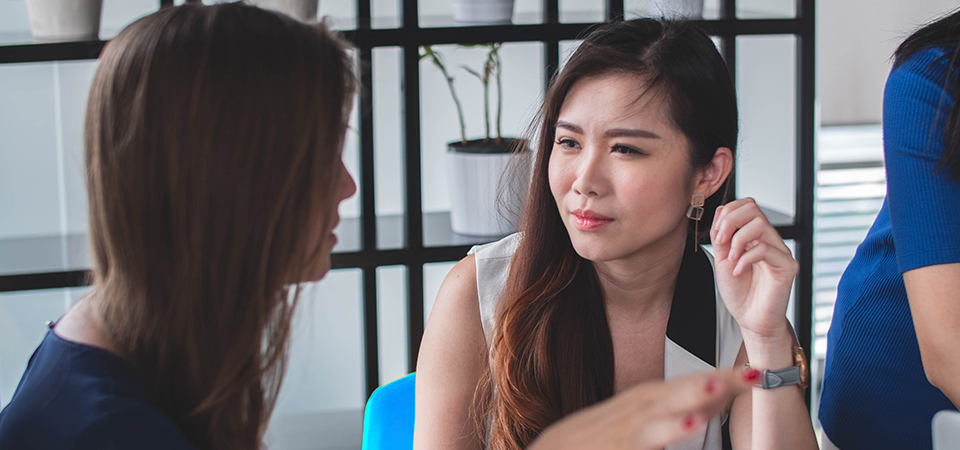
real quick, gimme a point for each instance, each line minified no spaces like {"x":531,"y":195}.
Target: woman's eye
{"x":627,"y":150}
{"x":568,"y":143}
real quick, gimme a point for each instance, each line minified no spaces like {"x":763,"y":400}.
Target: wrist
{"x":770,"y":352}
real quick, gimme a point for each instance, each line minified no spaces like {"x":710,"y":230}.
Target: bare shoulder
{"x":457,"y":305}
{"x":462,"y":279}
{"x":449,"y":365}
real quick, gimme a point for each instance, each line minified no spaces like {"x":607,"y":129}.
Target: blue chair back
{"x":388,"y":418}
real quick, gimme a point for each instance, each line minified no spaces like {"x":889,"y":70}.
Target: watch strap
{"x":770,"y":379}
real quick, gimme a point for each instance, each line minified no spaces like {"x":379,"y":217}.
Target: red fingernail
{"x":713,"y":385}
{"x":750,"y":374}
{"x":689,"y":422}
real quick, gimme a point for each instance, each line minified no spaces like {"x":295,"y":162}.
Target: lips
{"x":586,"y":220}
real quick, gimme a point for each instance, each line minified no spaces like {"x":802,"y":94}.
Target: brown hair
{"x":213,"y":137}
{"x":551,"y":352}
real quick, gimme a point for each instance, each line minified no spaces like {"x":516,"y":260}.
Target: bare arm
{"x":448,"y":369}
{"x":755,"y":272}
{"x":647,"y":416}
{"x":780,"y":414}
{"x":934,"y":296}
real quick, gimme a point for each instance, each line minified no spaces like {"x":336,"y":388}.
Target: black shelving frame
{"x":409,"y":37}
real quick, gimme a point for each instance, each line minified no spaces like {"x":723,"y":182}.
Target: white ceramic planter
{"x":476,"y":12}
{"x":63,"y":20}
{"x":673,"y":9}
{"x":304,"y":10}
{"x":484,"y":202}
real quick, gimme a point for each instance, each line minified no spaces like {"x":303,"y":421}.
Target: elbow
{"x":940,"y":365}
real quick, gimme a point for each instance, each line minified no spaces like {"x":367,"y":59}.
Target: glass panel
{"x":388,"y":146}
{"x":42,"y":107}
{"x":323,"y":393}
{"x":22,"y":319}
{"x":766,"y":9}
{"x":440,"y":13}
{"x":341,"y":15}
{"x":693,"y":9}
{"x":766,"y":161}
{"x":522,"y":86}
{"x":392,"y":322}
{"x":710,"y":9}
{"x":29,"y":154}
{"x":566,"y":50}
{"x":433,"y":275}
{"x":582,"y":11}
{"x":385,"y":13}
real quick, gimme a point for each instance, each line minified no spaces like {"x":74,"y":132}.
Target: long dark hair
{"x":943,"y":32}
{"x":551,"y":352}
{"x":213,"y":137}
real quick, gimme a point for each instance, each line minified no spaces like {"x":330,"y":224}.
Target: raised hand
{"x":754,"y":268}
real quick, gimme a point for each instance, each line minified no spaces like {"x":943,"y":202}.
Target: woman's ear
{"x":715,"y":173}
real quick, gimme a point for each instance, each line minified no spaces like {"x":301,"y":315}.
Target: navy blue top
{"x":77,"y":397}
{"x":875,"y":392}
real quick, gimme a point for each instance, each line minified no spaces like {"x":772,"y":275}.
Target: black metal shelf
{"x":24,"y":52}
{"x":412,"y":239}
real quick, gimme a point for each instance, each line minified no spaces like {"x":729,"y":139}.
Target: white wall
{"x":855,"y":42}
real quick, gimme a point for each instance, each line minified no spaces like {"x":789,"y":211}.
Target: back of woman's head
{"x":213,"y":140}
{"x":551,"y":353}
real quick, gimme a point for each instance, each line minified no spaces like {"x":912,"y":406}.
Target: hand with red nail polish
{"x":648,"y":416}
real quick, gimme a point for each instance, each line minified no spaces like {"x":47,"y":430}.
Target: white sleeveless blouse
{"x":694,"y":342}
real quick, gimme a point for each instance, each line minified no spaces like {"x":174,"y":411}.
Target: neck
{"x":645,"y":281}
{"x":83,"y":324}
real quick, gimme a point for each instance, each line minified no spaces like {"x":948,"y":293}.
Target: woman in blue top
{"x":213,"y":141}
{"x":893,"y":356}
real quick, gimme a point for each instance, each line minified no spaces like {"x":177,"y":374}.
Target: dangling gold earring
{"x":695,"y":212}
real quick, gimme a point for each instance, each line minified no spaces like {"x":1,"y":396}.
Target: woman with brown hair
{"x":213,"y":139}
{"x":605,"y":287}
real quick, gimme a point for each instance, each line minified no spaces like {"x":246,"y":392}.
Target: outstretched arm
{"x":448,"y":367}
{"x":755,"y":273}
{"x":648,"y":416}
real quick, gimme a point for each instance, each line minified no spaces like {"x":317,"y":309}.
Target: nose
{"x":347,"y":186}
{"x":590,"y":173}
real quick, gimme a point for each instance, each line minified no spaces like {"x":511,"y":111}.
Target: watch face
{"x":800,"y":360}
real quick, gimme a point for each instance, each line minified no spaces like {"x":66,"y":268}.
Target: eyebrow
{"x":612,"y":133}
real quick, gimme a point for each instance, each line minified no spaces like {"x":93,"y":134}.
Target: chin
{"x":590,"y":248}
{"x":317,"y":272}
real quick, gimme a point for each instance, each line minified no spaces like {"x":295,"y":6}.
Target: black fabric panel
{"x":693,"y":316}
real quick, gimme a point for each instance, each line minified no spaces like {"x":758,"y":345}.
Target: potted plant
{"x":477,"y":12}
{"x":64,"y":20}
{"x":303,"y":10}
{"x":483,"y":201}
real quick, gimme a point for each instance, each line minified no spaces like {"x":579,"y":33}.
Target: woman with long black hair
{"x":606,"y":286}
{"x":893,"y":350}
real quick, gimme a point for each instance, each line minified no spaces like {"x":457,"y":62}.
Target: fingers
{"x":665,"y":431}
{"x":739,"y":226}
{"x":682,"y":406}
{"x":648,"y":416}
{"x":696,"y":393}
{"x":774,"y":257}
